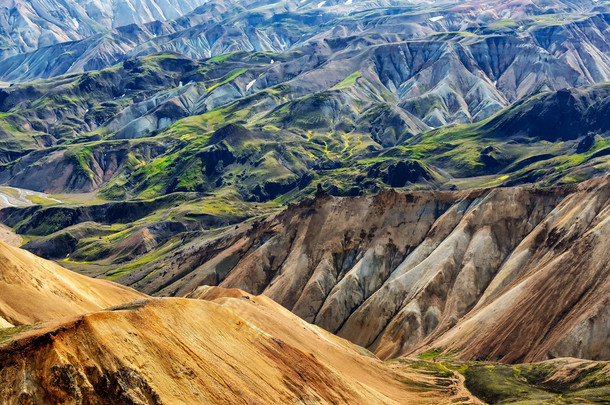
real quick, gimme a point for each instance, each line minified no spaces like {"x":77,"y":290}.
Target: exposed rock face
{"x":34,"y":290}
{"x":485,"y":271}
{"x":221,"y":346}
{"x":234,"y":349}
{"x":550,"y":296}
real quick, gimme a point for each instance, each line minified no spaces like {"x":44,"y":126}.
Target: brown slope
{"x":34,"y":290}
{"x":230,"y":350}
{"x":344,"y":357}
{"x":396,"y":271}
{"x":551,"y":297}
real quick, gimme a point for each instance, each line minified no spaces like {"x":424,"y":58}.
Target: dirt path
{"x":461,"y":391}
{"x":438,"y":383}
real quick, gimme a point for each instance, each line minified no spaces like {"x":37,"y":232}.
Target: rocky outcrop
{"x":550,"y":296}
{"x":482,"y":271}
{"x":67,"y":338}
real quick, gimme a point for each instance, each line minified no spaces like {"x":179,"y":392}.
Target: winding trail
{"x":459,"y":386}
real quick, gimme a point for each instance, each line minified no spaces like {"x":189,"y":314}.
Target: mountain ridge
{"x":413,"y":274}
{"x":35,"y":290}
{"x":246,"y":349}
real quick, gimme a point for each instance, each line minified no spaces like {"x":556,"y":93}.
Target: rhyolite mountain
{"x":224,"y":345}
{"x":36,"y":290}
{"x":259,"y":126}
{"x":299,"y":93}
{"x":160,"y":150}
{"x":69,"y":41}
{"x":249,"y":158}
{"x":305,"y":187}
{"x":66,"y":338}
{"x":509,"y":274}
{"x":443,"y":63}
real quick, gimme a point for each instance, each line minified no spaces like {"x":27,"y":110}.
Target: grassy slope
{"x":557,"y":381}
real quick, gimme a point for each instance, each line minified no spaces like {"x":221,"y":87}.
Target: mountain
{"x":222,"y":26}
{"x":480,"y":273}
{"x":26,"y":26}
{"x":299,"y":94}
{"x":224,"y":345}
{"x":271,"y":130}
{"x":372,"y":201}
{"x":35,"y":290}
{"x":235,"y":348}
{"x":180,"y":186}
{"x":448,"y":64}
{"x":66,"y":337}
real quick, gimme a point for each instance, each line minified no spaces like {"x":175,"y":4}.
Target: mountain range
{"x":261,"y":201}
{"x":27,"y":26}
{"x":224,"y":345}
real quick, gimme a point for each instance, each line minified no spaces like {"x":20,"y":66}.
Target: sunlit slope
{"x":230,"y":350}
{"x":34,"y":290}
{"x":511,"y":274}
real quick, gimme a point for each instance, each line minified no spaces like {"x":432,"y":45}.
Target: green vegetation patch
{"x":9,"y":334}
{"x":552,"y":382}
{"x":228,"y":78}
{"x":348,"y":81}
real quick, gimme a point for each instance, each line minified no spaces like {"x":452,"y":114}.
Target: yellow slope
{"x":234,"y":349}
{"x":33,"y":289}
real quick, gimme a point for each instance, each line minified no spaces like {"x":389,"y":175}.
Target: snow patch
{"x":320,"y":4}
{"x":437,"y":18}
{"x":249,"y":85}
{"x":75,"y":22}
{"x":348,"y":2}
